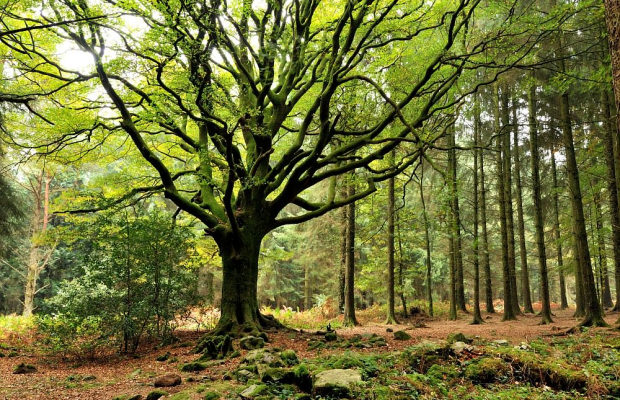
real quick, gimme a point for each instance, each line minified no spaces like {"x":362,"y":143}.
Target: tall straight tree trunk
{"x":401,"y":282}
{"x":545,"y":312}
{"x":456,"y":224}
{"x":349,"y":298}
{"x":507,"y":170}
{"x":612,"y":17}
{"x":525,"y":275}
{"x":509,"y":313}
{"x":451,"y":251}
{"x":427,"y":241}
{"x":307,"y":288}
{"x":343,"y":257}
{"x":486,"y":263}
{"x":612,"y":189}
{"x":556,"y":228}
{"x":603,"y":273}
{"x":477,"y":318}
{"x":592,"y":308}
{"x":391,"y":317}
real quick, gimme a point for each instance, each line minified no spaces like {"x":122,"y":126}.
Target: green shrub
{"x":132,"y":284}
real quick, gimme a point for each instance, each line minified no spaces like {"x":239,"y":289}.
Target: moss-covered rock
{"x":252,"y":342}
{"x":194,"y":367}
{"x":23,"y":368}
{"x":401,"y":335}
{"x":156,"y":394}
{"x":163,"y":357}
{"x":211,"y":396}
{"x":458,"y":337}
{"x":289,"y":357}
{"x":336,"y":382}
{"x":486,"y":370}
{"x":253,"y":391}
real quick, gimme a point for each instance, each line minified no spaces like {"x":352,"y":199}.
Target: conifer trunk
{"x":545,"y":312}
{"x":509,"y":313}
{"x":593,"y":313}
{"x":427,"y":241}
{"x":510,"y":231}
{"x":612,"y":189}
{"x":477,"y":318}
{"x":526,"y":296}
{"x":486,"y":263}
{"x":556,"y":228}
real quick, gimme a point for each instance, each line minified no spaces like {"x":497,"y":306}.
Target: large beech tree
{"x":242,"y":108}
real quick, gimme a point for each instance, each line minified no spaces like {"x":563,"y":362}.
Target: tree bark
{"x":603,"y":274}
{"x":459,"y":286}
{"x":391,"y":316}
{"x":526,"y":296}
{"x":612,"y":189}
{"x":477,"y":318}
{"x":507,"y":170}
{"x":545,"y":312}
{"x":592,"y":308}
{"x":556,"y":228}
{"x":427,"y":242}
{"x":486,"y":263}
{"x":37,"y":257}
{"x":349,"y":285}
{"x":343,"y":258}
{"x":509,"y":313}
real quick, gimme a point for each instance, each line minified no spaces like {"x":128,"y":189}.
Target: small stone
{"x":163,"y":357}
{"x":156,"y":394}
{"x":168,"y":380}
{"x":252,"y":342}
{"x":25,"y":369}
{"x":500,"y":342}
{"x":401,"y":335}
{"x":389,"y":330}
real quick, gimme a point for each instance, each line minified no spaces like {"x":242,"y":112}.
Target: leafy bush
{"x":133,"y":284}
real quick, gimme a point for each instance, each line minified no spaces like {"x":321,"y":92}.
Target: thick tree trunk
{"x":592,"y":307}
{"x":556,"y":228}
{"x":612,"y":189}
{"x":486,"y":263}
{"x":349,"y":285}
{"x":526,"y":296}
{"x":545,"y":312}
{"x":507,"y":170}
{"x":477,"y":318}
{"x":239,"y":304}
{"x":509,"y":313}
{"x":612,"y":17}
{"x":391,"y":316}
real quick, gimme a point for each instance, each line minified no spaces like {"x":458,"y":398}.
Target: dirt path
{"x":116,"y":376}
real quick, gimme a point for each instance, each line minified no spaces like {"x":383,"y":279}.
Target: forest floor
{"x":516,"y":359}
